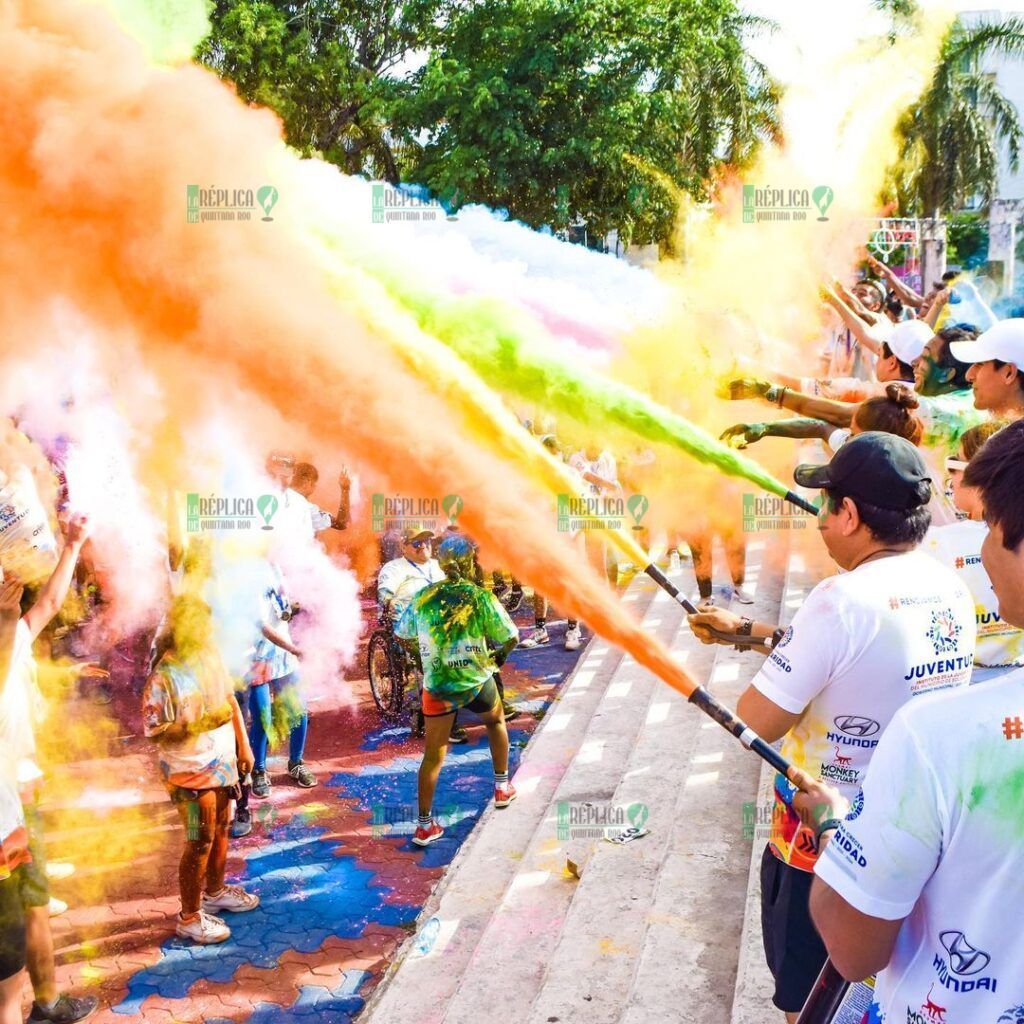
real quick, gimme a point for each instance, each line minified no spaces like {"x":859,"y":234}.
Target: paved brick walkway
{"x":340,"y":882}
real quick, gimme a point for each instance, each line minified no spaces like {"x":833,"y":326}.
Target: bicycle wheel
{"x":382,"y":682}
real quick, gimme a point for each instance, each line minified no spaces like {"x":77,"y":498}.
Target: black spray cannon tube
{"x":731,"y":638}
{"x":719,"y":712}
{"x":801,"y":503}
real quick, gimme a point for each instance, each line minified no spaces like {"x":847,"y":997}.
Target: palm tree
{"x":951,"y":139}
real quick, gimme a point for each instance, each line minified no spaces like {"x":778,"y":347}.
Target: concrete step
{"x":513,"y":952}
{"x":687,"y":969}
{"x":752,"y":998}
{"x":650,"y":929}
{"x":467,"y":895}
{"x":638,"y":912}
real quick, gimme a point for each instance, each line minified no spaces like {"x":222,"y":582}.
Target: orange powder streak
{"x":99,"y":149}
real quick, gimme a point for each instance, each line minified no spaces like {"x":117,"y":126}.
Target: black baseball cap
{"x":880,"y":469}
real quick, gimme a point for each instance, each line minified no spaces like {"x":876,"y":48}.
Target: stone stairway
{"x":659,"y":929}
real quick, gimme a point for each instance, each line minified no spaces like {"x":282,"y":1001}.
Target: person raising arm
{"x":896,"y":284}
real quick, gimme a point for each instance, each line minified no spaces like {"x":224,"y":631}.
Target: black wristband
{"x":744,"y":629}
{"x":777,"y":636}
{"x":827,"y":825}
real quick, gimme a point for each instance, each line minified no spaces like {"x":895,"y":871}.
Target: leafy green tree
{"x":951,"y":139}
{"x":967,"y":240}
{"x":600,"y":110}
{"x":331,"y":69}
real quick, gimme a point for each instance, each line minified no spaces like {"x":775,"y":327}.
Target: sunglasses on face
{"x":419,"y":544}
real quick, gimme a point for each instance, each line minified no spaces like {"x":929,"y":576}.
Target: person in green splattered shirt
{"x":947,"y":401}
{"x":462,"y":636}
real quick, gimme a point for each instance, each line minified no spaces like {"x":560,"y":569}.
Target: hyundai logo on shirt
{"x":963,"y":957}
{"x":963,"y":962}
{"x":856,"y":725}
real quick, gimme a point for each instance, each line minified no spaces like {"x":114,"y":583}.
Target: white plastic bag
{"x":28,"y":548}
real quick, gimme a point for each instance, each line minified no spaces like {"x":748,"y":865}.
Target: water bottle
{"x":427,"y":937}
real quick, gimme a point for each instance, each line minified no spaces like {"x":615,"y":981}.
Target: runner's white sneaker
{"x":205,"y":929}
{"x":573,"y":638}
{"x":233,"y":898}
{"x":537,"y":637}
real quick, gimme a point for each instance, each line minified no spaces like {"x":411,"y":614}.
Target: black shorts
{"x":12,"y":929}
{"x":481,"y":702}
{"x":792,"y":946}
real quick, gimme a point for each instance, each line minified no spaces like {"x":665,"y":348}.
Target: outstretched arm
{"x":342,"y":519}
{"x":865,"y":332}
{"x":743,"y":434}
{"x":55,"y":590}
{"x":279,"y":641}
{"x":838,"y":413}
{"x":938,"y":303}
{"x":902,"y":290}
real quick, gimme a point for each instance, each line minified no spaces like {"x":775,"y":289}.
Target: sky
{"x":812,"y":22}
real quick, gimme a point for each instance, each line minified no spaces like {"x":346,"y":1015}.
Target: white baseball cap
{"x":1004,"y":341}
{"x":908,"y":339}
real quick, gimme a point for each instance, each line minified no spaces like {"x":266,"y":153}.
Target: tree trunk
{"x":933,"y":250}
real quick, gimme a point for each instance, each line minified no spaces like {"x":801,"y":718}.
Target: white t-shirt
{"x":298,"y":517}
{"x":21,"y":709}
{"x":958,"y":547}
{"x":937,"y":837}
{"x":863,"y":643}
{"x":400,"y":580}
{"x":21,"y":703}
{"x":946,"y":417}
{"x":268,"y":661}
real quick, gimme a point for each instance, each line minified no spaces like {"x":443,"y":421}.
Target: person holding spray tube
{"x":921,"y":880}
{"x":893,"y":625}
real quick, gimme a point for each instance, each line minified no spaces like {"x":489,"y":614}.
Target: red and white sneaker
{"x":504,"y":796}
{"x":428,"y":835}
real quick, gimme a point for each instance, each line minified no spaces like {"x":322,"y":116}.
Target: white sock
{"x":501,"y":780}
